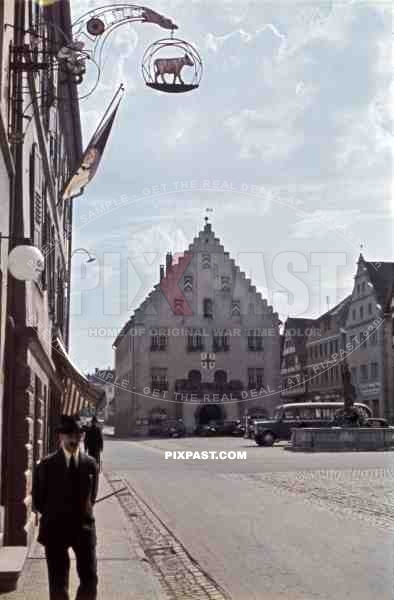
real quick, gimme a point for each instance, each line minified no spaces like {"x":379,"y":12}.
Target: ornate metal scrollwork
{"x":93,"y":28}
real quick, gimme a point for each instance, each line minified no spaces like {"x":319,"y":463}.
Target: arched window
{"x":194,"y":377}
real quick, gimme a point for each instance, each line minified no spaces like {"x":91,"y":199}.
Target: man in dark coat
{"x":94,"y":440}
{"x":64,"y":492}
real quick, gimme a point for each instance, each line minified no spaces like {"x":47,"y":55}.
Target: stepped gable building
{"x":204,"y":345}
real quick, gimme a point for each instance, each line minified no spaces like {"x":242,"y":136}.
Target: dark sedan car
{"x":233,"y":427}
{"x":230,"y":427}
{"x":302,"y":414}
{"x":168,"y":428}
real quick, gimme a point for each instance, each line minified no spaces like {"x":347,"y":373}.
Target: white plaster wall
{"x":156,"y":312}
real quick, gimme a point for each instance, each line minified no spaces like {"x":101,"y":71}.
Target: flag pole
{"x":120,"y":89}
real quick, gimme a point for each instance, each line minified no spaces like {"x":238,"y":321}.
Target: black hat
{"x":69,"y":424}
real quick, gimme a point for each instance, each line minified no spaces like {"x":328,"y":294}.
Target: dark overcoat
{"x":94,"y":440}
{"x":52,"y":497}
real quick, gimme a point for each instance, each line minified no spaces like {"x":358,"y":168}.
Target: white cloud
{"x":366,"y":141}
{"x":216,"y":43}
{"x":296,"y":89}
{"x":307,"y":22}
{"x":270,"y":133}
{"x":160,"y":238}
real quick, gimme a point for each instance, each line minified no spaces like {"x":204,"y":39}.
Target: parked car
{"x":155,"y":429}
{"x":302,"y":414}
{"x":248,"y":423}
{"x":174,"y":428}
{"x":231,"y":427}
{"x":168,"y":428}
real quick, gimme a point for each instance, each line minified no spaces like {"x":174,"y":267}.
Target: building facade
{"x":369,"y":336}
{"x":7,"y":172}
{"x":40,"y":140}
{"x":103,"y":381}
{"x":294,"y":364}
{"x":359,"y":330}
{"x":203,"y":346}
{"x":324,"y":350}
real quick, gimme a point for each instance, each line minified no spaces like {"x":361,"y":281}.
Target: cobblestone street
{"x":274,"y":526}
{"x":366,"y":494}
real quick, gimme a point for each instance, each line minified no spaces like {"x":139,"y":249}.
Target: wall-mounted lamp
{"x":90,"y":259}
{"x":25,"y":261}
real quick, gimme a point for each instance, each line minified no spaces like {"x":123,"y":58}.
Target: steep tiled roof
{"x":296,"y":328}
{"x":123,"y":331}
{"x":339,"y":311}
{"x":381,"y":275}
{"x":298,"y":323}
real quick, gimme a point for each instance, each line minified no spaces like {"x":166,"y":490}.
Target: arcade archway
{"x":208,"y":413}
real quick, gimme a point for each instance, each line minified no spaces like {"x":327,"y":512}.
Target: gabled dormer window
{"x":236,"y":308}
{"x":188,"y":283}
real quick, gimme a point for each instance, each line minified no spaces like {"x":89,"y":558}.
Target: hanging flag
{"x":93,"y":153}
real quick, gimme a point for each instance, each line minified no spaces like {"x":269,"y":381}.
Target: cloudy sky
{"x":295,"y":99}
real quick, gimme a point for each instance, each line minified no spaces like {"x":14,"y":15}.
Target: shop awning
{"x":77,"y":392}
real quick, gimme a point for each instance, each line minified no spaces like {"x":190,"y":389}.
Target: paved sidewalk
{"x":123,"y":572}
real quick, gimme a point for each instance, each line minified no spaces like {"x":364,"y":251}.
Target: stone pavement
{"x":365,"y":494}
{"x":180,"y":575}
{"x":123,"y":571}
